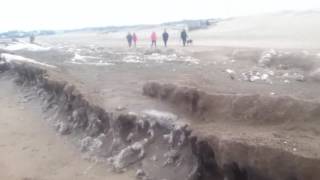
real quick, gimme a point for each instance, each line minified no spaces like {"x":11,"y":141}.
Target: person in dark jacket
{"x":129,"y":39}
{"x":165,"y":37}
{"x":32,"y":38}
{"x":184,"y":37}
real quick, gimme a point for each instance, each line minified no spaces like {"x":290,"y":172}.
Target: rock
{"x":315,"y":75}
{"x":266,"y":57}
{"x":128,"y":155}
{"x":121,"y":108}
{"x":299,"y":77}
{"x":172,"y":156}
{"x":163,"y":119}
{"x":154,"y":158}
{"x":264,"y":76}
{"x":63,"y":128}
{"x":254,"y":78}
{"x":140,"y":174}
{"x":231,"y":73}
{"x":89,"y":144}
{"x":130,"y":137}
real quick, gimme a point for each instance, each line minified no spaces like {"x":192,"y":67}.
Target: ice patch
{"x":192,"y":60}
{"x":253,"y":76}
{"x":160,"y":58}
{"x":298,"y":76}
{"x":10,"y":57}
{"x":264,"y":76}
{"x":25,"y":46}
{"x":78,"y":57}
{"x":132,"y":59}
{"x":230,"y":71}
{"x":88,"y":60}
{"x":100,"y":63}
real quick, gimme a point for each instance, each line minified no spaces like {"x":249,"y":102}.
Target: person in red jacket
{"x":154,"y":39}
{"x":135,"y":39}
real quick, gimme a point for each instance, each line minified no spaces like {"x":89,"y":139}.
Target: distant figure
{"x":154,"y":39}
{"x":135,"y":39}
{"x":129,"y":39}
{"x":165,"y":37}
{"x":32,"y":38}
{"x":184,"y":37}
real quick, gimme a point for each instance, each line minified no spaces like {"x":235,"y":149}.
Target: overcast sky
{"x":68,"y":14}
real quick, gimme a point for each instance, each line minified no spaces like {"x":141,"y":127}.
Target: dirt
{"x":31,"y":150}
{"x":280,"y":122}
{"x":253,"y":111}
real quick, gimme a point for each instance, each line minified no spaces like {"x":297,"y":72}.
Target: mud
{"x":162,"y":146}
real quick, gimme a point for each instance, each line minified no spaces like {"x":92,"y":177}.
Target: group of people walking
{"x":132,"y":38}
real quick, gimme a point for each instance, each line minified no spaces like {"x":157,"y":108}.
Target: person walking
{"x":184,"y":37}
{"x":165,"y":37}
{"x":32,"y":38}
{"x":129,"y":39}
{"x":153,"y":39}
{"x":135,"y":39}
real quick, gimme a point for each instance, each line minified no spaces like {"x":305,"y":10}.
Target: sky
{"x":70,"y":14}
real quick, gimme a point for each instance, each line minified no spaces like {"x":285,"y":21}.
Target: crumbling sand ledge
{"x":158,"y":147}
{"x":271,"y":110}
{"x":257,"y":161}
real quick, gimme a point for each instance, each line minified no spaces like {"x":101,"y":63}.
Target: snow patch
{"x":254,"y":75}
{"x":88,"y":60}
{"x":78,"y":57}
{"x":25,"y":46}
{"x":10,"y":57}
{"x":161,"y":58}
{"x":100,"y":63}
